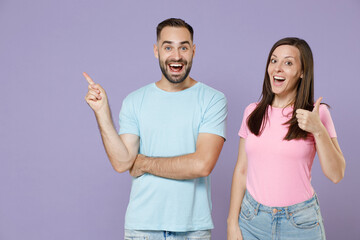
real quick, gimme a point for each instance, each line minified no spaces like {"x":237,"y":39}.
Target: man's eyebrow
{"x":185,"y":42}
{"x":171,"y":42}
{"x":167,"y":42}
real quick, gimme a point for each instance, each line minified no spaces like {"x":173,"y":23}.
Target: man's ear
{"x":194,"y":48}
{"x":156,"y":51}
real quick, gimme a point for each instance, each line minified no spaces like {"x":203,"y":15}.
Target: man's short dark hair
{"x":174,"y":22}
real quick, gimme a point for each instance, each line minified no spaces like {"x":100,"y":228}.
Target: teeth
{"x":175,"y":65}
{"x":279,"y":78}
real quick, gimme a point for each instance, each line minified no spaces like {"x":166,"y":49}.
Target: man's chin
{"x":179,"y":79}
{"x":176,"y":82}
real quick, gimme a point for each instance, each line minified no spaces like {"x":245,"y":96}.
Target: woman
{"x":279,"y":136}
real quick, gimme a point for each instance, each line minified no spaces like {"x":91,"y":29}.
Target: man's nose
{"x":177,"y":54}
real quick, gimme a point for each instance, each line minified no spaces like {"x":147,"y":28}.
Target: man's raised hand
{"x":96,"y":96}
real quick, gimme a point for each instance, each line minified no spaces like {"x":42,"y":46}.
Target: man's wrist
{"x":103,"y":112}
{"x":103,"y":116}
{"x":141,"y":162}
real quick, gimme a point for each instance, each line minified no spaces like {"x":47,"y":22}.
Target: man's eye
{"x":167,"y":48}
{"x":184,"y":48}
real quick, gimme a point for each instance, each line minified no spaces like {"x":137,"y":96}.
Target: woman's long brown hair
{"x":304,"y":95}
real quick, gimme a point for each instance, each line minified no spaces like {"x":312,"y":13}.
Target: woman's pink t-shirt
{"x":279,"y":171}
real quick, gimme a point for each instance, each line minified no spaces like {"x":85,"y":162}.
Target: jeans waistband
{"x":281,"y":210}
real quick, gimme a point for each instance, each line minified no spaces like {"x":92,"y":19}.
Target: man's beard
{"x":178,"y":78}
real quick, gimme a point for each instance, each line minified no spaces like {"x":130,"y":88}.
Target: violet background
{"x":55,"y":179}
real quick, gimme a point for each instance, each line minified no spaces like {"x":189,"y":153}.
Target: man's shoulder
{"x":206,"y":89}
{"x":137,"y":94}
{"x":140,"y":91}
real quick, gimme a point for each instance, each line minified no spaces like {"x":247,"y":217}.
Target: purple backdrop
{"x":55,"y":180}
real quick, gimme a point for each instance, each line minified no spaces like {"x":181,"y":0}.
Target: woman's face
{"x":284,"y":71}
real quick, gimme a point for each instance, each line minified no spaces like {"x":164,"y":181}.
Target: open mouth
{"x":279,"y":79}
{"x":176,"y":67}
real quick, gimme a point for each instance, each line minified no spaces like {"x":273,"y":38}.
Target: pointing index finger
{"x":88,"y":78}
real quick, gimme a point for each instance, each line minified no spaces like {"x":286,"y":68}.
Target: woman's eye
{"x":273,"y":60}
{"x":289,"y":63}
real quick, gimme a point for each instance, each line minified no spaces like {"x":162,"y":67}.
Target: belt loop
{"x":257,"y":208}
{"x":287,"y":213}
{"x":316,"y":198}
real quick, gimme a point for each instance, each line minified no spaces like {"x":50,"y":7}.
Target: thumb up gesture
{"x":96,"y":96}
{"x":310,"y":121}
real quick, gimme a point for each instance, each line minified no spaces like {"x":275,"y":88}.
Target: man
{"x":178,"y":126}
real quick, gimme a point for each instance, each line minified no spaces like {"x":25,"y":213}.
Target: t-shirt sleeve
{"x":214,"y":119}
{"x":244,"y":131}
{"x":326,"y":119}
{"x":127,"y":118}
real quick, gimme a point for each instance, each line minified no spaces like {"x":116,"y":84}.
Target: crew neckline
{"x":282,"y":108}
{"x":178,"y":92}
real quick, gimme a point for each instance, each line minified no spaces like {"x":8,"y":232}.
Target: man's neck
{"x":167,"y":86}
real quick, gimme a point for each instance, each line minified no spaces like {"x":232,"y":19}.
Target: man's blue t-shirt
{"x":168,"y":124}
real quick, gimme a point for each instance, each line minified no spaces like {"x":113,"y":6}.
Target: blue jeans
{"x":162,"y":235}
{"x":295,"y":222}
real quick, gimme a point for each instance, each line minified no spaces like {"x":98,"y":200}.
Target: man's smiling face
{"x":175,"y":52}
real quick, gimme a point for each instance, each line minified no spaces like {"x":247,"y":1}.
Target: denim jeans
{"x":162,"y":235}
{"x":295,"y":222}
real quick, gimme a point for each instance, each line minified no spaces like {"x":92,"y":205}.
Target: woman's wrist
{"x":321,"y":131}
{"x":232,"y":221}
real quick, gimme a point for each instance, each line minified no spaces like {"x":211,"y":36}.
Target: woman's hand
{"x":234,"y":232}
{"x":310,"y":121}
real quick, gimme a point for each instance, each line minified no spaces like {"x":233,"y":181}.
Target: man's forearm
{"x":121,"y":150}
{"x":116,"y":148}
{"x":181,"y":167}
{"x":188,"y":166}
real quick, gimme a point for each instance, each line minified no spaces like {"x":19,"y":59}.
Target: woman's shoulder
{"x":324,"y":112}
{"x":324,"y":107}
{"x":251,"y":107}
